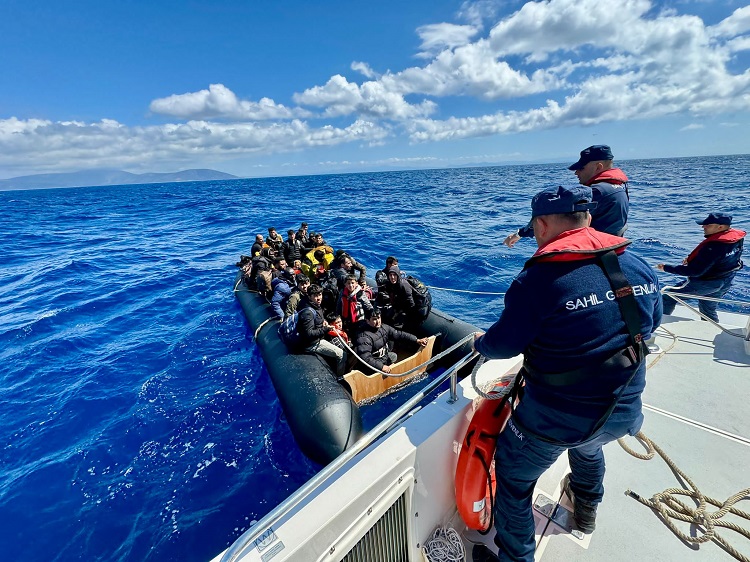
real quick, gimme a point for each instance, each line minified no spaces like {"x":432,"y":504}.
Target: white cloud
{"x":649,"y":64}
{"x":479,"y":11}
{"x":655,"y":65}
{"x":693,"y":127}
{"x":220,"y":102}
{"x":540,"y":28}
{"x":439,"y":36}
{"x":378,"y":99}
{"x":739,"y":44}
{"x":364,"y":69}
{"x":736,"y":24}
{"x":42,"y":145}
{"x":472,"y":70}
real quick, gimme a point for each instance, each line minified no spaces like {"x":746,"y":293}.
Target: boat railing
{"x":680,"y":296}
{"x":272,"y":518}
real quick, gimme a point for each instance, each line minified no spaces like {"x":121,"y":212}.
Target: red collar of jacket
{"x":613,"y":175}
{"x":578,"y":244}
{"x":726,"y":237}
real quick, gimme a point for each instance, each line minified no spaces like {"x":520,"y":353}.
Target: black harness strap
{"x":625,"y":298}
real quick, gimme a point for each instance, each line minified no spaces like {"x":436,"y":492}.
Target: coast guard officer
{"x":579,"y":312}
{"x":711,"y":266}
{"x":609,"y":188}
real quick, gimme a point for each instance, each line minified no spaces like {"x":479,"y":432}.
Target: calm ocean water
{"x":138,"y":422}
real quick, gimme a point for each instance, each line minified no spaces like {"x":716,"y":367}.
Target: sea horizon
{"x":353,"y":172}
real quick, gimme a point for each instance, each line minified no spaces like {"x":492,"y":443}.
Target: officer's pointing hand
{"x":660,"y":266}
{"x":511,"y":239}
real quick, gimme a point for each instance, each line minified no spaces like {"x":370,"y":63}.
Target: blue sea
{"x":138,"y":420}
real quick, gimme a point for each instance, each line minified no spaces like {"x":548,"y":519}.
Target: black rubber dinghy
{"x":321,"y":414}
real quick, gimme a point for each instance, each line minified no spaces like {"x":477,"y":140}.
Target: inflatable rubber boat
{"x":322,"y":412}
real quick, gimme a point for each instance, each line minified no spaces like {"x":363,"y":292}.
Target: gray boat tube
{"x":321,"y":414}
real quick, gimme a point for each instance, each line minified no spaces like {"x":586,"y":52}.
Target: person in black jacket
{"x":257,"y":246}
{"x":354,"y":265}
{"x":711,"y":266}
{"x":292,"y":248}
{"x":302,"y":235}
{"x":274,"y":239}
{"x":381,"y":277}
{"x":375,"y":339}
{"x":403,"y":308}
{"x":312,"y":328}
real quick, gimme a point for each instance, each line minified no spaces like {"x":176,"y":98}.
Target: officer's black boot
{"x":481,"y":553}
{"x":584,"y":513}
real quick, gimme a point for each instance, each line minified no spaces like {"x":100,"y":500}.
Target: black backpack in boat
{"x":330,"y":286}
{"x":421,"y":295}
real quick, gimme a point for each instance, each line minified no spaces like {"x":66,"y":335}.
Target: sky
{"x":291,"y":87}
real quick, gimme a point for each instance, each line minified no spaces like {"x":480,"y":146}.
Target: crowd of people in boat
{"x":325,"y":303}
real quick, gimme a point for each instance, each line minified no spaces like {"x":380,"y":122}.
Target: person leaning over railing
{"x":609,"y":189}
{"x":711,"y":266}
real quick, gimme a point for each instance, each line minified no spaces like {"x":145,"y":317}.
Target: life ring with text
{"x":475,"y":482}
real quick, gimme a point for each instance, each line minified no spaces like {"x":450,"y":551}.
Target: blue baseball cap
{"x":561,"y":200}
{"x":592,"y":154}
{"x":716,"y":218}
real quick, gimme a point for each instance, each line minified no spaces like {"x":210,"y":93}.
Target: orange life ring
{"x":473,"y":487}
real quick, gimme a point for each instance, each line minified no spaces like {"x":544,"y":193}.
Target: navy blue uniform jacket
{"x":717,"y":257}
{"x":609,"y":191}
{"x":562,"y":316}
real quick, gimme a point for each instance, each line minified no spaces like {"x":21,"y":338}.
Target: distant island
{"x":107,"y":177}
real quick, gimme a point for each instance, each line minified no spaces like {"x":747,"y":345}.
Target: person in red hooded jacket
{"x":609,"y":189}
{"x":711,"y":266}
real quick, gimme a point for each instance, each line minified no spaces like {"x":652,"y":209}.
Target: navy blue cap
{"x":592,"y":154}
{"x":716,"y":218}
{"x":561,"y":200}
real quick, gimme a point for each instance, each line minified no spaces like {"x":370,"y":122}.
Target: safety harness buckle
{"x":623,"y":292}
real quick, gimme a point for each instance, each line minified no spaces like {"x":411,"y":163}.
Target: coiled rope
{"x":669,"y":507}
{"x":444,"y":546}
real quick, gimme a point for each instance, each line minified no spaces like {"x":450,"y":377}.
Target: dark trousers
{"x":716,"y":288}
{"x":520,"y":459}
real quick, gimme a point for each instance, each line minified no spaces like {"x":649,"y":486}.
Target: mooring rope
{"x":669,"y":507}
{"x":266,"y":321}
{"x":427,"y":363}
{"x":463,"y":291}
{"x":493,"y":390}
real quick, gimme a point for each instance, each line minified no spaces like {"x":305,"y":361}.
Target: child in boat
{"x":336,"y":334}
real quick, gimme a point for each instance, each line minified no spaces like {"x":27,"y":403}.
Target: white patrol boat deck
{"x":382,"y":504}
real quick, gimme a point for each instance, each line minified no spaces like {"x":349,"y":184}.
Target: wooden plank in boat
{"x":365,"y":386}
